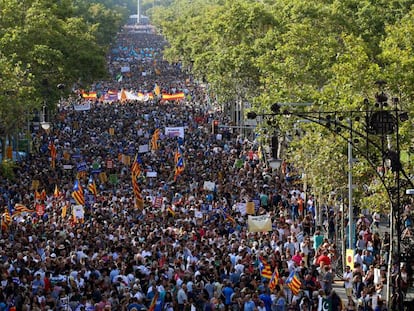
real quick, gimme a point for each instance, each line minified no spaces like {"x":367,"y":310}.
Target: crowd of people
{"x":187,"y":244}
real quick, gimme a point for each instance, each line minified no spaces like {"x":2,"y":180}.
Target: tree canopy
{"x":327,"y":52}
{"x":47,"y":43}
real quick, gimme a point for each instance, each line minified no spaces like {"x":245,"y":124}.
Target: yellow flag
{"x":350,"y":258}
{"x":250,"y":208}
{"x":64,"y":211}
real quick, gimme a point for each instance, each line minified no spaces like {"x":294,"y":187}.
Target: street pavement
{"x":338,"y":286}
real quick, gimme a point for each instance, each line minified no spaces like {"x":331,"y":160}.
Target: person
{"x":347,"y":278}
{"x":266,"y":299}
{"x":335,"y":301}
{"x":317,"y":239}
{"x":133,"y":305}
{"x":281,"y":301}
{"x":182,"y":298}
{"x":328,"y":278}
{"x":227,"y":293}
{"x":376,"y":217}
{"x":249,"y":304}
{"x":309,"y":285}
{"x":358,"y":286}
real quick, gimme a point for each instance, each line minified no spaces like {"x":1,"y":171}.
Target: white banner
{"x":143,"y":148}
{"x":261,"y":223}
{"x":125,"y":69}
{"x":174,"y":132}
{"x":209,"y":186}
{"x":78,"y":211}
{"x":82,"y":107}
{"x":151,"y":174}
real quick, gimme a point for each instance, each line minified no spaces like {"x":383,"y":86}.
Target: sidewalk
{"x":338,"y":286}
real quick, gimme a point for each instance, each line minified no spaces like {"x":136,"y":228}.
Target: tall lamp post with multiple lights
{"x":370,"y":133}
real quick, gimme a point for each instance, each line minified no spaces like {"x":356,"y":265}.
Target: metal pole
{"x":390,"y":258}
{"x":343,"y":240}
{"x":398,"y":204}
{"x":350,"y":192}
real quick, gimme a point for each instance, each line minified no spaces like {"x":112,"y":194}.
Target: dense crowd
{"x":188,"y":246}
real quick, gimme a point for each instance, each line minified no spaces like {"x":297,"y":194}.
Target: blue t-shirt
{"x":267,"y":301}
{"x":227,"y":292}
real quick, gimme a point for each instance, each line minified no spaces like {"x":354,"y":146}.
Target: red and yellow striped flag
{"x":274,"y":281}
{"x":265,"y":270}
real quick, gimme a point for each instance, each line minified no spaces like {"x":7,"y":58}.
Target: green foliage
{"x":7,"y":170}
{"x":326,"y":52}
{"x":44,"y":43}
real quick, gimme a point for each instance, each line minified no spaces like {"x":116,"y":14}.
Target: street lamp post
{"x":369,"y":132}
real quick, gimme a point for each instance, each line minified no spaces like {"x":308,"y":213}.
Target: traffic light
{"x":214,"y":127}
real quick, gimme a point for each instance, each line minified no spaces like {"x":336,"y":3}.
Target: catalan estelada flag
{"x":139,"y":201}
{"x":6,"y":219}
{"x":154,"y":139}
{"x":274,"y":281}
{"x":265,"y":270}
{"x":179,"y":163}
{"x":92,"y":187}
{"x":294,"y":283}
{"x":77,"y":193}
{"x":20,"y":208}
{"x":136,"y":166}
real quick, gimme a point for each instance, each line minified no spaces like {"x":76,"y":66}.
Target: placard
{"x":262,"y":223}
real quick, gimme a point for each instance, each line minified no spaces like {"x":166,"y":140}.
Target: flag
{"x":123,"y":96}
{"x":274,"y":281}
{"x":136,"y":166}
{"x":53,"y":154}
{"x":20,"y":208}
{"x":171,"y":210}
{"x":179,"y":163}
{"x":64,"y":211}
{"x":175,"y":96}
{"x":56,"y":192}
{"x":153,"y":302}
{"x":157,"y":90}
{"x":37,"y":195}
{"x":294,"y":283}
{"x":43,"y":195}
{"x":92,"y":187}
{"x":89,"y":95}
{"x":119,"y":77}
{"x":228,"y":217}
{"x":6,"y":219}
{"x":77,"y":193}
{"x":324,"y":304}
{"x":139,"y":201}
{"x":265,"y":270}
{"x":154,"y":139}
{"x":7,"y":216}
{"x":260,"y":154}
